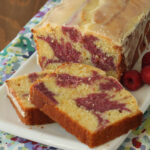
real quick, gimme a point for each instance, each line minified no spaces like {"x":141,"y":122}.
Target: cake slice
{"x":108,"y":34}
{"x":87,"y":103}
{"x":18,"y":93}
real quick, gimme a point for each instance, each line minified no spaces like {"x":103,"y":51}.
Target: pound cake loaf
{"x":18,"y":93}
{"x":88,"y":104}
{"x":108,"y":34}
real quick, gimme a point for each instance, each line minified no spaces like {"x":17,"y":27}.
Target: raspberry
{"x":146,"y":74}
{"x":132,"y":80}
{"x":146,"y":60}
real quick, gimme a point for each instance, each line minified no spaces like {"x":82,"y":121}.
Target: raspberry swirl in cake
{"x":18,"y":93}
{"x":83,"y":98}
{"x":110,"y":35}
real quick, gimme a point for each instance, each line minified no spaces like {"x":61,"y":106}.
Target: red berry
{"x":132,"y":80}
{"x":136,"y":143}
{"x":146,"y":59}
{"x":146,"y":74}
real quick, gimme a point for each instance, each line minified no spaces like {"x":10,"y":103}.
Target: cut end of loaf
{"x":69,"y":44}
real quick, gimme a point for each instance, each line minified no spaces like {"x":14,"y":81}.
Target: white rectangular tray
{"x":53,"y":134}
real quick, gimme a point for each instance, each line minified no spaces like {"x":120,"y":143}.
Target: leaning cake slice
{"x":18,"y":93}
{"x":87,"y":103}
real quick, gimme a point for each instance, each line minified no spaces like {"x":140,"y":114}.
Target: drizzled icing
{"x":75,"y":17}
{"x":134,"y":41}
{"x":18,"y":107}
{"x":117,"y":20}
{"x":107,"y":11}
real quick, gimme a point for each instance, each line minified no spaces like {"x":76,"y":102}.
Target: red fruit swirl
{"x":33,"y":77}
{"x":99,"y":59}
{"x":73,"y":33}
{"x":42,"y":88}
{"x":66,"y":80}
{"x":98,"y":103}
{"x":111,"y":84}
{"x":63,"y":51}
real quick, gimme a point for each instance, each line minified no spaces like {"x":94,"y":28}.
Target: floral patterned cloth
{"x":16,"y":53}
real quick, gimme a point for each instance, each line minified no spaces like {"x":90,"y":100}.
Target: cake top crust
{"x":113,"y":19}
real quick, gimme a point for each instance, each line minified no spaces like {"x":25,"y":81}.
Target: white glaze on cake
{"x":114,"y":20}
{"x":23,"y":114}
{"x":138,"y":34}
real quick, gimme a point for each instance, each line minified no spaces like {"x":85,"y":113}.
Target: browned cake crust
{"x":92,"y":140}
{"x":34,"y":116}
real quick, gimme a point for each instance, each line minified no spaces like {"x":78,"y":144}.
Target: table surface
{"x":11,"y":21}
{"x":15,"y":54}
